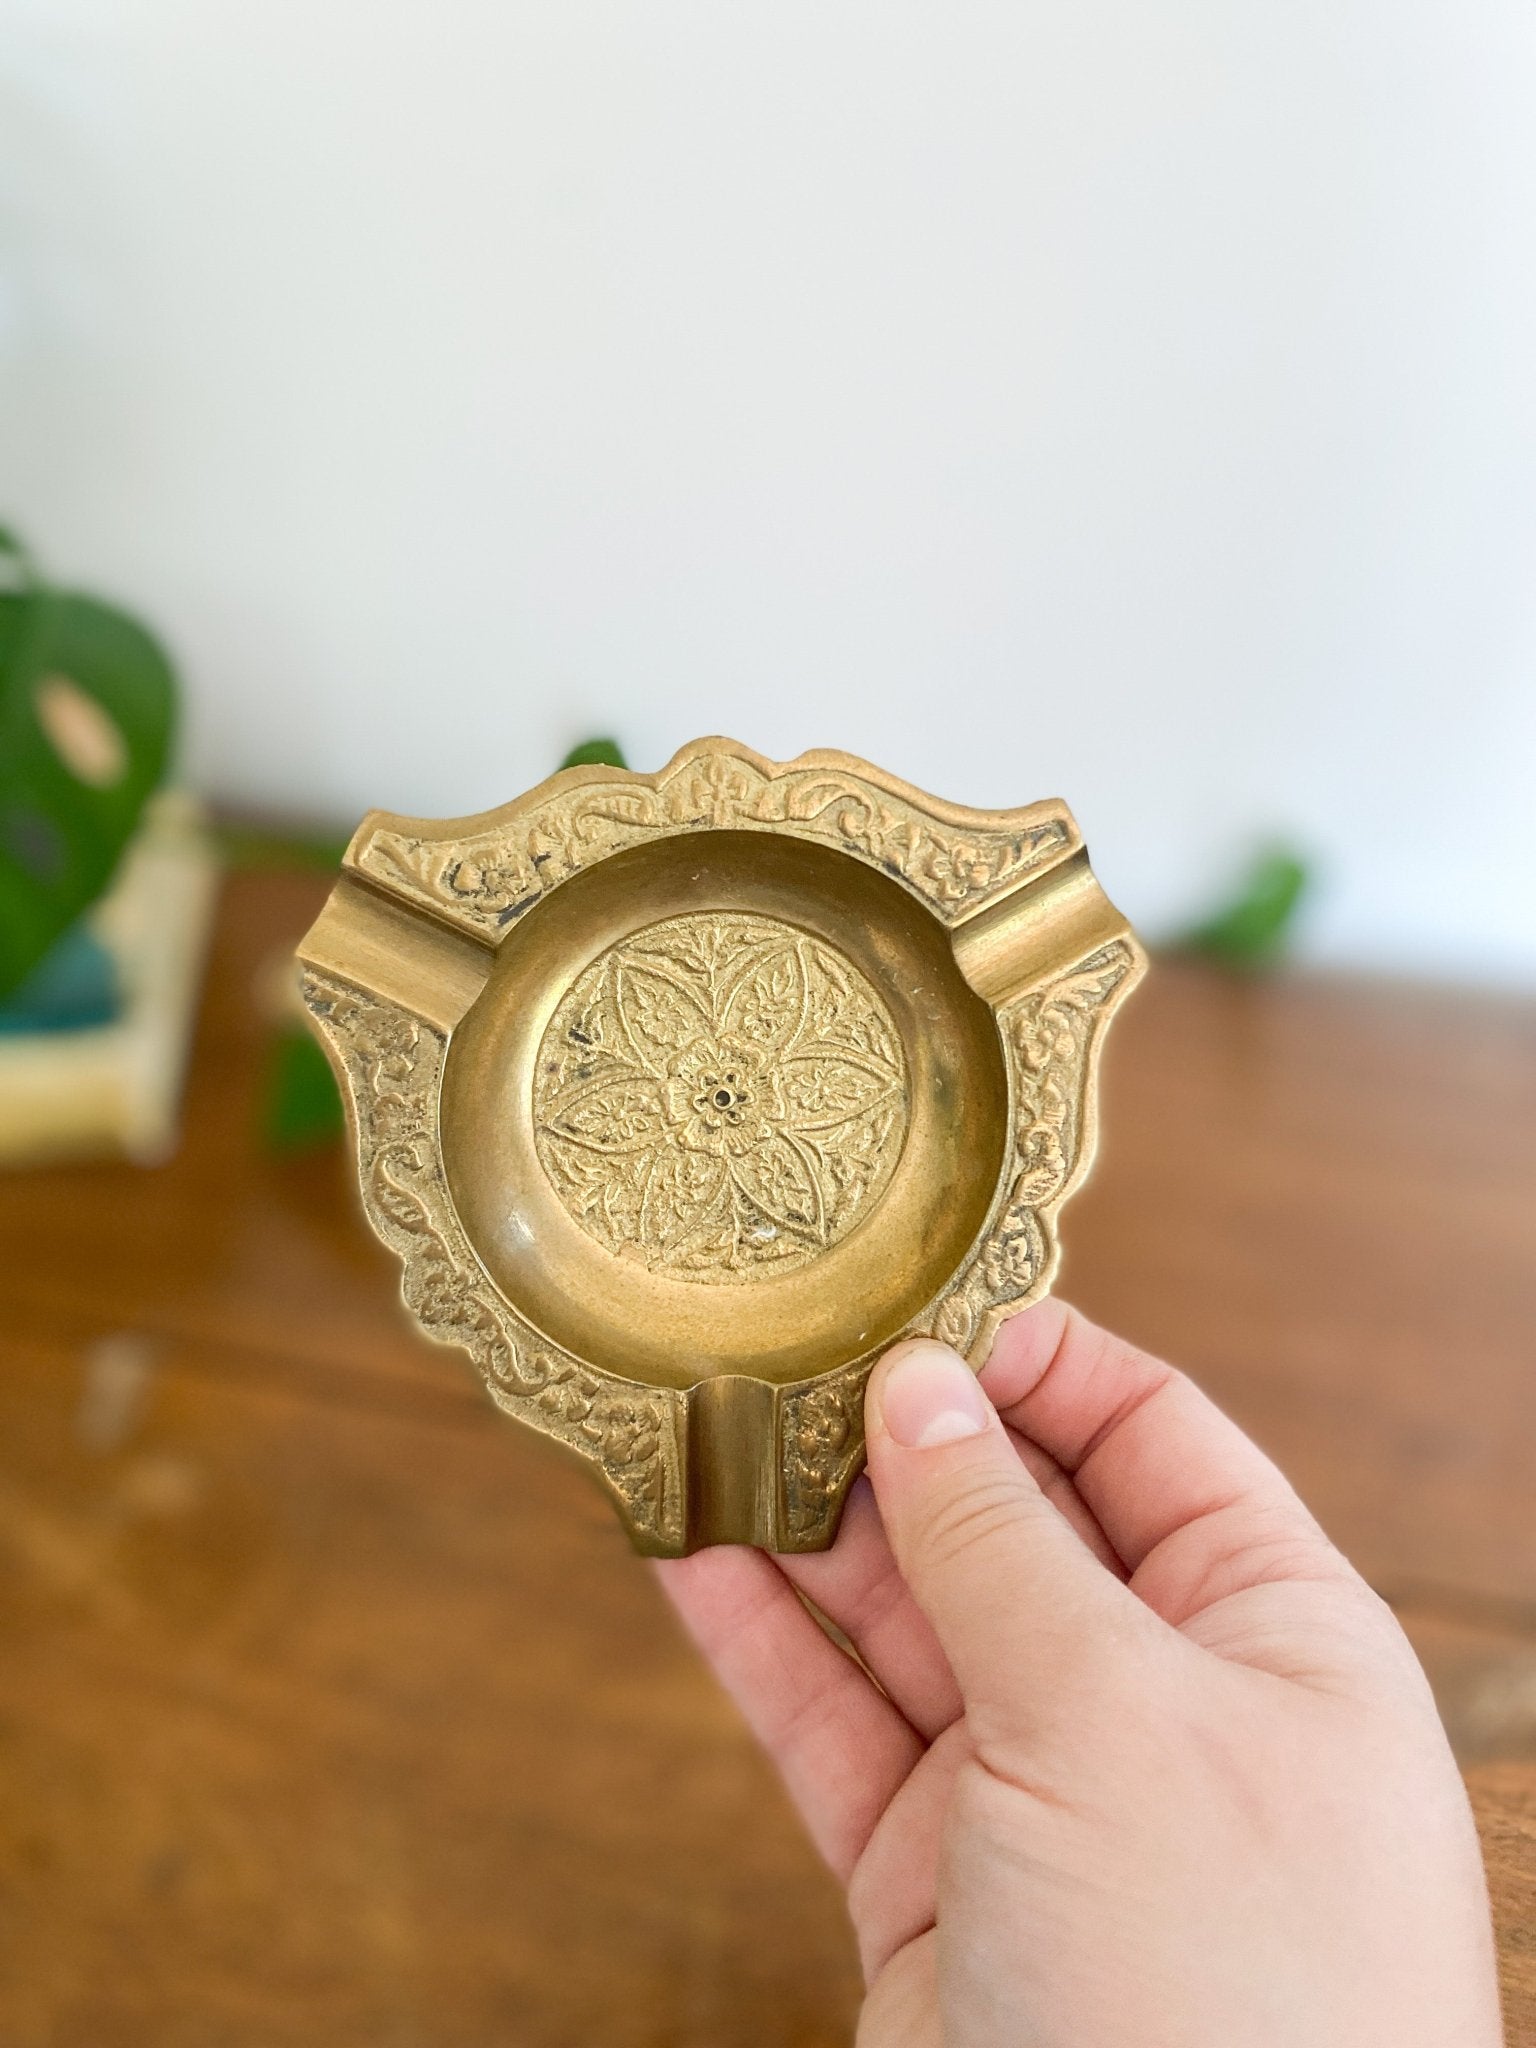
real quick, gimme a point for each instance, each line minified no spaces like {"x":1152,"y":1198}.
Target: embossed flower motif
{"x":624,"y":1433}
{"x":714,"y":790}
{"x":823,"y":1422}
{"x":721,"y":1097}
{"x":957,"y":869}
{"x":718,"y":1096}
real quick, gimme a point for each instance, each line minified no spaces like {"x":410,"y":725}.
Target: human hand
{"x":1137,"y":1756}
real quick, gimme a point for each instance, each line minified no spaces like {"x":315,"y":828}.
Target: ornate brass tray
{"x":681,"y":1096}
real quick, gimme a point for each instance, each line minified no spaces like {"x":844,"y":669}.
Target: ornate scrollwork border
{"x":484,"y":878}
{"x":1048,"y":1038}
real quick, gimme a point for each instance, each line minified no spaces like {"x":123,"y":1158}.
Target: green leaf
{"x":303,"y":1103}
{"x":87,"y":712}
{"x":595,"y":753}
{"x":1251,"y":929}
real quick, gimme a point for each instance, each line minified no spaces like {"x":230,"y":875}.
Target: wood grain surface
{"x":332,"y":1709}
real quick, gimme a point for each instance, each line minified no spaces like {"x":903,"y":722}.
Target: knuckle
{"x":970,"y":1519}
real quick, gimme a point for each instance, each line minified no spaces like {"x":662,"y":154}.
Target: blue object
{"x":72,"y":988}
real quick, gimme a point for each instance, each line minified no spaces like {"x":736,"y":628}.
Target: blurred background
{"x":1131,"y":404}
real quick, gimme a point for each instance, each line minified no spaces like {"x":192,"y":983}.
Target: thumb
{"x":1024,"y":1612}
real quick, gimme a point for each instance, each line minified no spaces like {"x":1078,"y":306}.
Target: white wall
{"x":1133,"y":403}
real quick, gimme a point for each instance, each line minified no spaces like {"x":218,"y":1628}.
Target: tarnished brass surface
{"x":680,"y":1096}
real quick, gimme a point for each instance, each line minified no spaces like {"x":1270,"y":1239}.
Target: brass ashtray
{"x":681,"y":1096}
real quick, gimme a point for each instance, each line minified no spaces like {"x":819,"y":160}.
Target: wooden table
{"x":333,"y":1709}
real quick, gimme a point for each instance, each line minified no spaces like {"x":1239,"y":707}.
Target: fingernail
{"x":929,"y":1396}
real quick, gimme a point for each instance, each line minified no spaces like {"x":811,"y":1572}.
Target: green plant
{"x":1252,"y":928}
{"x":87,"y":716}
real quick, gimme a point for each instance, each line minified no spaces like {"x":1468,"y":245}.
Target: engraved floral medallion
{"x":720,"y":1096}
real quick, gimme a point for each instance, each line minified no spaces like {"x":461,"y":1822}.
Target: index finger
{"x":1148,"y":1451}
